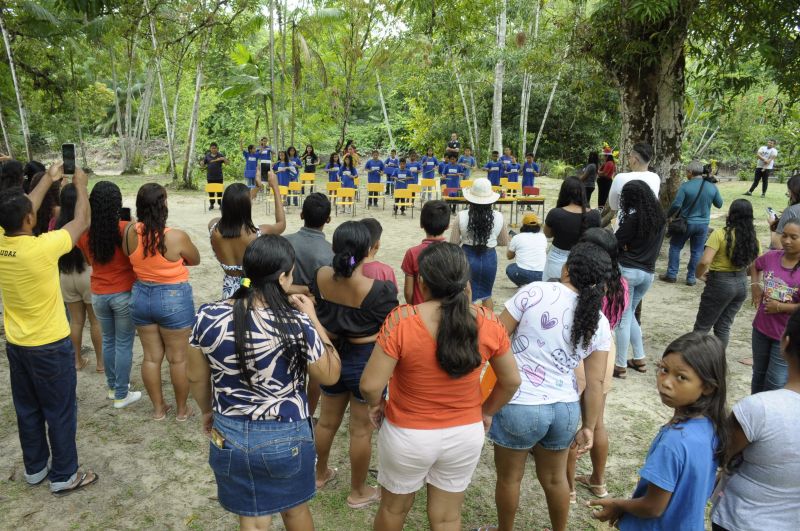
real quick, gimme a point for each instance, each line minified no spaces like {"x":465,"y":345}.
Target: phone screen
{"x":125,"y":214}
{"x":68,"y":155}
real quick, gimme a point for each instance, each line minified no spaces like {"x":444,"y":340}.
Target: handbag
{"x":678,"y":226}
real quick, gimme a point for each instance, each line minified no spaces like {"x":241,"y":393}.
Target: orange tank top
{"x":156,"y":268}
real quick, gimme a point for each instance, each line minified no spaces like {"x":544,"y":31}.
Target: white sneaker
{"x":133,"y":396}
{"x":112,"y":394}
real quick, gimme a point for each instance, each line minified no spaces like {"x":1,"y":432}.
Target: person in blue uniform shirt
{"x":374,"y":167}
{"x":468,"y":162}
{"x":390,"y":168}
{"x":530,"y":170}
{"x":348,"y":172}
{"x":264,"y":151}
{"x":297,"y":164}
{"x":512,"y":173}
{"x":250,"y":167}
{"x":505,"y":160}
{"x":401,"y":180}
{"x":493,"y":169}
{"x":283,"y":169}
{"x":414,"y":169}
{"x":332,"y":167}
{"x":429,"y":165}
{"x":212,"y":161}
{"x":452,"y":174}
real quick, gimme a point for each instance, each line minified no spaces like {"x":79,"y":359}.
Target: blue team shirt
{"x":284,"y":172}
{"x":333,"y":172}
{"x":347,"y":177}
{"x":390,"y":167}
{"x":493,"y":169}
{"x":374,"y":169}
{"x":401,"y":178}
{"x":297,"y":163}
{"x":468,"y":163}
{"x":529,"y":171}
{"x":452,"y":174}
{"x":681,"y":461}
{"x":505,"y":161}
{"x":250,"y":164}
{"x":429,"y":165}
{"x":264,"y":155}
{"x":512,"y":173}
{"x":414,"y":168}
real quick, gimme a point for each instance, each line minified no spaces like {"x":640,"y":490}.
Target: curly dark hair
{"x":480,"y":221}
{"x":73,"y":261}
{"x":741,"y":242}
{"x":589,"y":269}
{"x":151,"y":211}
{"x":637,"y":198}
{"x":104,"y":236}
{"x":615,"y":292}
{"x":49,"y":203}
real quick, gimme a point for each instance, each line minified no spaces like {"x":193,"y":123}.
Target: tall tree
{"x":26,"y":135}
{"x":499,"y":75}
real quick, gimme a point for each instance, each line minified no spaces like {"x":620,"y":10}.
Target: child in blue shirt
{"x":512,"y":174}
{"x":332,"y":167}
{"x":374,"y":168}
{"x":297,"y":164}
{"x":493,"y":169}
{"x":250,"y":164}
{"x":530,"y":170}
{"x":679,"y":472}
{"x":282,"y":169}
{"x":467,"y":161}
{"x":452,"y":173}
{"x":414,"y":169}
{"x":505,"y":160}
{"x":429,"y":165}
{"x":401,"y":180}
{"x":264,"y":152}
{"x":348,"y":173}
{"x":390,"y":168}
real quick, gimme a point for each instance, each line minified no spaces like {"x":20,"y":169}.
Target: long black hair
{"x":73,"y":261}
{"x":49,"y":203}
{"x":705,"y":354}
{"x":589,"y":269}
{"x":265,"y":260}
{"x":104,"y":236}
{"x":594,"y":158}
{"x":792,"y":336}
{"x":793,"y":187}
{"x":351,"y":243}
{"x":334,"y":155}
{"x":152,"y":212}
{"x":445,"y":271}
{"x":638,"y":199}
{"x":12,"y":174}
{"x":480,"y":222}
{"x":345,"y":159}
{"x":615,"y":292}
{"x":572,"y":192}
{"x":237,"y":211}
{"x":741,"y":242}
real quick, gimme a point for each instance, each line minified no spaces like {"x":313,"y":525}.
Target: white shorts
{"x":446,"y":458}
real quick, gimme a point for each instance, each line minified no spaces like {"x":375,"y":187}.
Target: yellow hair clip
{"x":245,"y":282}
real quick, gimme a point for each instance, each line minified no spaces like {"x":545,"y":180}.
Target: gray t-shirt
{"x":764,"y":493}
{"x":312,"y":251}
{"x":793,"y":212}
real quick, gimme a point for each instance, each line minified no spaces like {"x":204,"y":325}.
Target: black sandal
{"x":637,"y":365}
{"x":83,"y":480}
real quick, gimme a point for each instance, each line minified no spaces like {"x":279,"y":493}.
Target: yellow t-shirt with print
{"x":34,"y":313}
{"x":721,"y":262}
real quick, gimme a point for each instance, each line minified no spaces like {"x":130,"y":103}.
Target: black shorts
{"x":265,"y":167}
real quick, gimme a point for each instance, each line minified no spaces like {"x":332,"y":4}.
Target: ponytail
{"x":351,"y":243}
{"x":589,"y":269}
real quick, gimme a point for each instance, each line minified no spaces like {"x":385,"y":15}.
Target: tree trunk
{"x":272,"y":73}
{"x":523,"y":113}
{"x":176,"y":100}
{"x":5,"y":134}
{"x":26,"y":135}
{"x":466,"y":111}
{"x":546,"y":112}
{"x":120,"y":131}
{"x":499,"y":74}
{"x":163,"y":92}
{"x":282,"y":31}
{"x":192,"y":140}
{"x":385,"y":114}
{"x":704,"y":147}
{"x":477,"y":146}
{"x":76,"y":111}
{"x":294,"y":85}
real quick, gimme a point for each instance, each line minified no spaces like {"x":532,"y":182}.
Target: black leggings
{"x":589,"y":192}
{"x":762,"y":174}
{"x":603,"y":187}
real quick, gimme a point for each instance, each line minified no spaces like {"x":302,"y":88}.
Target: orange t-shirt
{"x":115,"y":276}
{"x":422,"y":395}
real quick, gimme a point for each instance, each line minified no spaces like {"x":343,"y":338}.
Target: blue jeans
{"x":696,"y":234}
{"x":114,"y":314}
{"x":628,"y":330}
{"x":520,"y":276}
{"x":723,"y":296}
{"x":556,"y":259}
{"x":43,"y":382}
{"x":551,"y":426}
{"x":770,"y":371}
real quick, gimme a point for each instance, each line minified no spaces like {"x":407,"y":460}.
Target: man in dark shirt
{"x":454,"y":146}
{"x":212,"y":162}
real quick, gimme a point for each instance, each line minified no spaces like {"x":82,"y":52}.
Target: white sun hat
{"x":481,"y":192}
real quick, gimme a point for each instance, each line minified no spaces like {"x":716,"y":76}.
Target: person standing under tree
{"x":212,"y":162}
{"x":453,"y":146}
{"x":764,"y":166}
{"x":264,"y":151}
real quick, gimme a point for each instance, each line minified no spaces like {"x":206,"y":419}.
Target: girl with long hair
{"x":111,"y":283}
{"x":553,"y":326}
{"x":75,"y":289}
{"x":161,"y":300}
{"x":352,"y":308}
{"x":642,"y":225}
{"x":680,"y":470}
{"x":775,"y":286}
{"x":283,"y":169}
{"x":332,"y":168}
{"x":248,"y":364}
{"x":566,"y":223}
{"x":431,"y":355}
{"x":234,"y":231}
{"x":480,"y":230}
{"x":348,"y":172}
{"x":724,"y":266}
{"x":605,"y":176}
{"x":762,"y":464}
{"x":588,"y":175}
{"x":49,"y":210}
{"x":310,"y":159}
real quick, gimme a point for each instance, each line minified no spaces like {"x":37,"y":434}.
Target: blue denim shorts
{"x":354,"y":359}
{"x":166,"y":305}
{"x":521,"y":427}
{"x":264,"y":466}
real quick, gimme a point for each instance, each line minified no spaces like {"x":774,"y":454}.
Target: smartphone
{"x":68,"y":156}
{"x":771,"y":213}
{"x":125,"y":214}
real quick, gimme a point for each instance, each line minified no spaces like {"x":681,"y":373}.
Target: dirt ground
{"x":153,"y":475}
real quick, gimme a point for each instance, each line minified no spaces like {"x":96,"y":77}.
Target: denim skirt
{"x":556,"y":259}
{"x":262,"y":466}
{"x":482,"y":269}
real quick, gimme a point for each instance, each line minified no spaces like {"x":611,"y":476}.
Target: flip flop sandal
{"x":620,"y":372}
{"x":82,"y":483}
{"x":366,"y":503}
{"x":638,"y":366}
{"x":83,"y":363}
{"x":573,"y":497}
{"x":330,"y":476}
{"x":186,"y":417}
{"x":600,"y":491}
{"x":167,"y":409}
{"x":487,"y":527}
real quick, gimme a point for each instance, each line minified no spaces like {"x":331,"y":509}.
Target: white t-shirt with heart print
{"x":542,"y":346}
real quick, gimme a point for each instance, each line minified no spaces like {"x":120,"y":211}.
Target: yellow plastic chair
{"x":428,"y":188}
{"x":504,"y":182}
{"x":294,"y":190}
{"x":307,"y":180}
{"x":404,"y":198}
{"x":213,"y":192}
{"x":346,"y":197}
{"x":466,"y":183}
{"x":375,"y":191}
{"x":331,"y":189}
{"x":514,"y":189}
